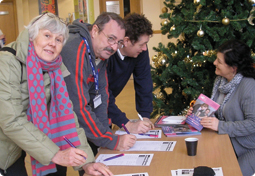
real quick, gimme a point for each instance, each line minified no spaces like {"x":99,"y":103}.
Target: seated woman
{"x":2,"y":39}
{"x":234,"y":90}
{"x":35,"y":111}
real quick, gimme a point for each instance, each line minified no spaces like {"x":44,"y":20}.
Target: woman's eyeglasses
{"x":51,"y":16}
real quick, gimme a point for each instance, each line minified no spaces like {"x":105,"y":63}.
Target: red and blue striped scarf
{"x":59,"y":121}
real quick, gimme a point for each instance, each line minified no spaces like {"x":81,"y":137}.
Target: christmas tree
{"x":186,"y":67}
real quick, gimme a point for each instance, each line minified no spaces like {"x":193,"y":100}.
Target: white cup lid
{"x":191,"y":139}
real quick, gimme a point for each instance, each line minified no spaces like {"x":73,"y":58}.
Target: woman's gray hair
{"x":50,"y":22}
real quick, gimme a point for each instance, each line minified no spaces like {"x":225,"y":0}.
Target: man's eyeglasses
{"x":51,"y":16}
{"x":112,"y":41}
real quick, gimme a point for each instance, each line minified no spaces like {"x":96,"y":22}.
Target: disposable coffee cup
{"x":191,"y":144}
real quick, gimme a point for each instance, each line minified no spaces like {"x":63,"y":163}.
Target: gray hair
{"x":50,"y":22}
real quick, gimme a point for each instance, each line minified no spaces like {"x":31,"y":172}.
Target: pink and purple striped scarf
{"x":59,"y":121}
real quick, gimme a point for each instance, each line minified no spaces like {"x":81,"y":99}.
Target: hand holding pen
{"x":151,"y":135}
{"x":71,"y":144}
{"x":126,"y":141}
{"x":89,"y":168}
{"x":140,"y":117}
{"x":69,"y":157}
{"x":125,"y":128}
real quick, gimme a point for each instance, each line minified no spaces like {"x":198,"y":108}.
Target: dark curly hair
{"x":137,"y":25}
{"x":238,"y":54}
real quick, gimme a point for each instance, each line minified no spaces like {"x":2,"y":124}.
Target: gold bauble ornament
{"x":196,"y":2}
{"x":164,"y":23}
{"x":172,"y":28}
{"x":252,"y":1}
{"x":154,"y":58}
{"x":252,"y":54}
{"x":225,"y":21}
{"x":200,"y":33}
{"x":162,"y":60}
{"x":155,"y":64}
{"x":164,"y":10}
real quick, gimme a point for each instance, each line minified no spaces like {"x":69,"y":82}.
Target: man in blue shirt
{"x":134,"y":59}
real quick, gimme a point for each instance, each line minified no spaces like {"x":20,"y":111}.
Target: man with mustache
{"x":85,"y":55}
{"x":134,"y":59}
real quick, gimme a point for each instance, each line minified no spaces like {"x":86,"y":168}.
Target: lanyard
{"x":95,"y":73}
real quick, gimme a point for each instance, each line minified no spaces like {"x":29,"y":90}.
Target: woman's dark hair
{"x":238,"y":54}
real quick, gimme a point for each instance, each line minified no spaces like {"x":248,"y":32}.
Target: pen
{"x":70,"y":143}
{"x":113,"y":157}
{"x":151,"y":135}
{"x":141,"y":118}
{"x":125,"y":128}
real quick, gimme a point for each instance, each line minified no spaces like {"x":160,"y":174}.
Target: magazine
{"x":179,"y":130}
{"x":204,"y":107}
{"x":169,"y":120}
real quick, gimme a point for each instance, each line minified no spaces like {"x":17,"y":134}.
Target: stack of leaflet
{"x":169,"y":120}
{"x":179,"y":130}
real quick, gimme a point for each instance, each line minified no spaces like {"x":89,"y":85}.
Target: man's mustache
{"x":109,"y":49}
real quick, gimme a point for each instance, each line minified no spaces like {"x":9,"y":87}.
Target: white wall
{"x":64,"y":8}
{"x":152,"y":9}
{"x":28,"y":9}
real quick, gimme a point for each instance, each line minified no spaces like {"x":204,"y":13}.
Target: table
{"x":213,"y":150}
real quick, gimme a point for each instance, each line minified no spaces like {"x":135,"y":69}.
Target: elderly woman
{"x":234,"y":90}
{"x":35,"y":111}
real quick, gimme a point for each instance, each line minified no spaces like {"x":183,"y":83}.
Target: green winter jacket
{"x":16,"y":132}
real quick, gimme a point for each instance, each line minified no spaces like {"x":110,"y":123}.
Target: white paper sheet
{"x":174,"y":119}
{"x":153,"y":146}
{"x":189,"y":172}
{"x":126,"y":160}
{"x":153,"y":132}
{"x":135,"y":174}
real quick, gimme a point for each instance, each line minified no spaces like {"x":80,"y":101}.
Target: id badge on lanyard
{"x":97,"y":100}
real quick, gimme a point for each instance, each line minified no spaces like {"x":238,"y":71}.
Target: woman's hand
{"x":189,"y":112}
{"x":210,"y":122}
{"x":97,"y":169}
{"x":70,"y":157}
{"x":1,"y":36}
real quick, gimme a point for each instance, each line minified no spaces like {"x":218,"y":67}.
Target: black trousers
{"x":18,"y":168}
{"x":61,"y":171}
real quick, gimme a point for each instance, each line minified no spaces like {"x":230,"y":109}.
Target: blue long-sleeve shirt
{"x":119,"y":72}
